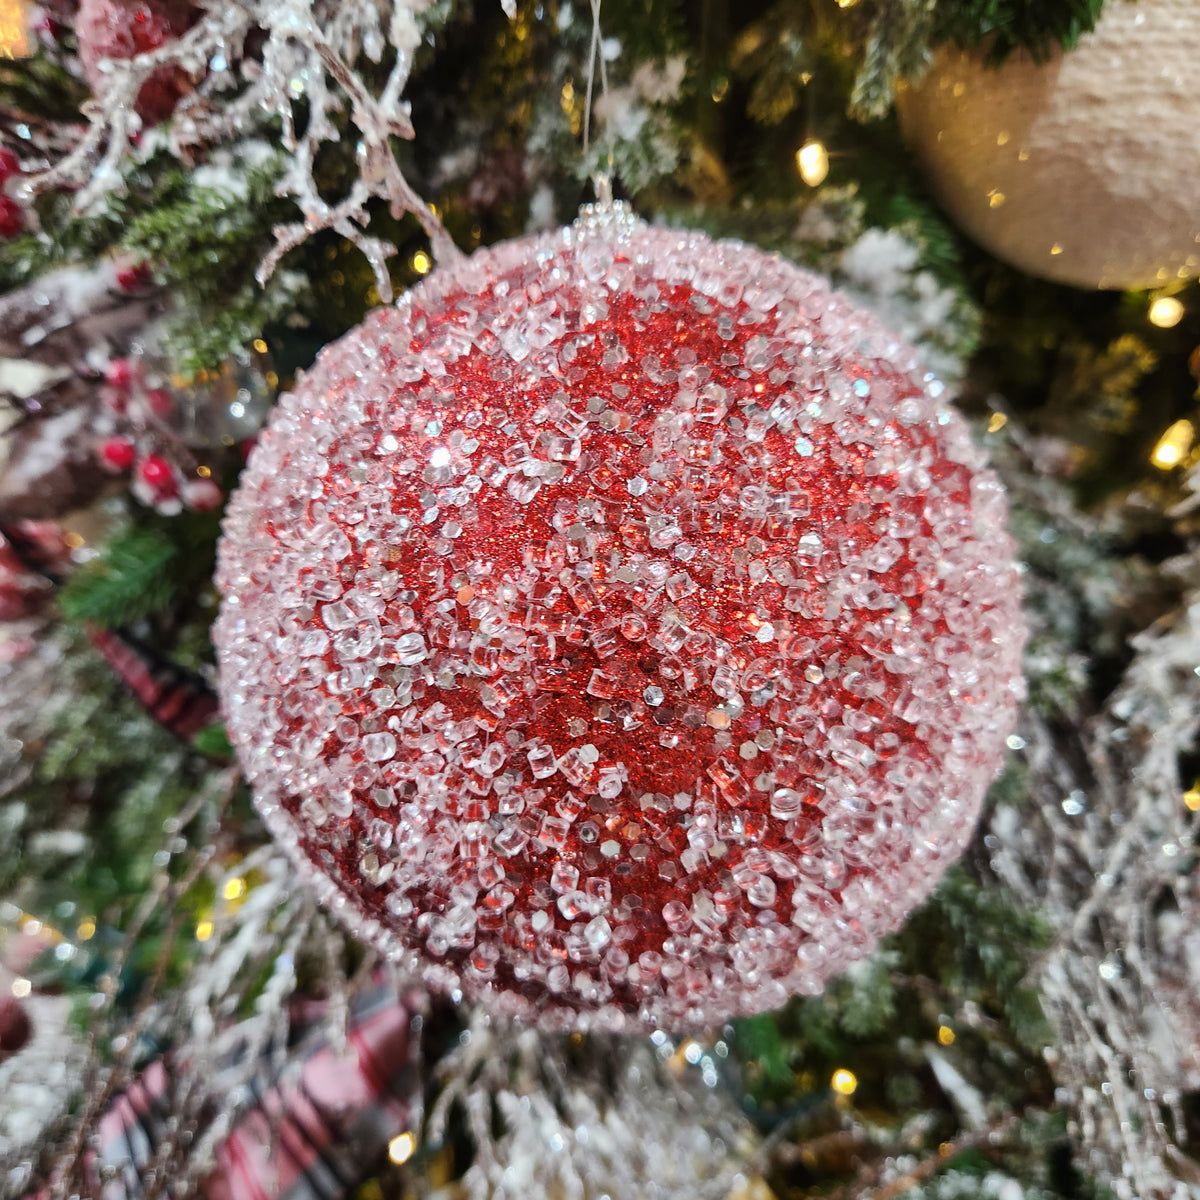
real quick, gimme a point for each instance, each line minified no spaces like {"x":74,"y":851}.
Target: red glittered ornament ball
{"x":621,"y":629}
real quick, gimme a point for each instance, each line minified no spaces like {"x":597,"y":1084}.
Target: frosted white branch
{"x":318,"y":52}
{"x":544,"y":1126}
{"x":1104,"y":848}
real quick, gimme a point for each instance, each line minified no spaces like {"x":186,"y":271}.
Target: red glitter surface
{"x":690,"y":713}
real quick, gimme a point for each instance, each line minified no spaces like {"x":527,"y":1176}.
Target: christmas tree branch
{"x":1101,"y":849}
{"x":309,"y":43}
{"x":103,"y":1083}
{"x":996,"y":1133}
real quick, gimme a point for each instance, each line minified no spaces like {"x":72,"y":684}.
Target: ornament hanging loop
{"x":602,"y":180}
{"x":602,"y":185}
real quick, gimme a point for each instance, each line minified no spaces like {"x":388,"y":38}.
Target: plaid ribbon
{"x":312,"y":1131}
{"x":179,"y":700}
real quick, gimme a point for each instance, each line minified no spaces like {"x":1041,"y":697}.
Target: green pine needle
{"x":1038,"y":26}
{"x":988,"y":944}
{"x":205,"y":247}
{"x":213,"y":742}
{"x":130,"y":580}
{"x":894,"y":39}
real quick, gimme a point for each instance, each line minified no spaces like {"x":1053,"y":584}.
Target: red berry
{"x":48,"y":24}
{"x":158,"y":473}
{"x":161,"y":404}
{"x":122,"y":29}
{"x":12,"y":219}
{"x":115,"y":401}
{"x":15,"y":1026}
{"x":118,"y":453}
{"x":132,"y":277}
{"x":10,"y":165}
{"x":203,"y":495}
{"x":119,"y":372}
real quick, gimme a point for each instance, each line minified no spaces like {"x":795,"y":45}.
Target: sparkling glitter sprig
{"x":1104,"y":849}
{"x":310,"y":55}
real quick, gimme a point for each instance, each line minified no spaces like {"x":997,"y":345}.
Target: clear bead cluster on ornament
{"x":620,"y":630}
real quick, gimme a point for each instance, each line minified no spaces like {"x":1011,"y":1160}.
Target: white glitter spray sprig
{"x":318,"y":52}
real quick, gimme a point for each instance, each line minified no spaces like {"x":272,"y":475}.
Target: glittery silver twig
{"x":310,"y":56}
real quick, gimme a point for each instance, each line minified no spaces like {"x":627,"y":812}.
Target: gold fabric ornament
{"x":1084,"y":169}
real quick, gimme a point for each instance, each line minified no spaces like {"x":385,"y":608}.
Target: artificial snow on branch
{"x":310,"y":65}
{"x":548,"y":1122}
{"x":1104,"y":848}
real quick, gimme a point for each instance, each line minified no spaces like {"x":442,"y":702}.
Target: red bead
{"x":119,"y":372}
{"x":118,"y":453}
{"x":10,"y":165}
{"x":203,"y":495}
{"x":158,"y":473}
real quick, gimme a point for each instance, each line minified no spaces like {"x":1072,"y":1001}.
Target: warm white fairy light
{"x":14,"y":28}
{"x":1173,"y":446}
{"x":1166,"y":312}
{"x":402,"y":1148}
{"x":812,"y":161}
{"x":844,"y":1082}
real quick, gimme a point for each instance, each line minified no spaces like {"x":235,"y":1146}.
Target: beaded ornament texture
{"x":621,"y":629}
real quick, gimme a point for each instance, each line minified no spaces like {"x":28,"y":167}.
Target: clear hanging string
{"x":601,"y":180}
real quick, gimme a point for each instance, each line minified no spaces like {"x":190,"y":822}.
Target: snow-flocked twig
{"x":255,"y":61}
{"x":1104,"y":848}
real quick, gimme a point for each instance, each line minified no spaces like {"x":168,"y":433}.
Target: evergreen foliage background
{"x":498,"y":108}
